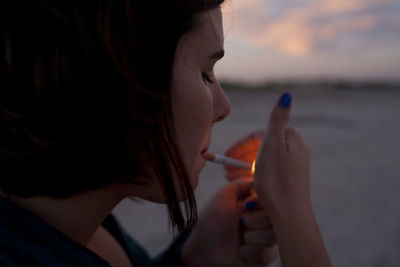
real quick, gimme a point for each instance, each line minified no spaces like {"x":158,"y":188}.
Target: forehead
{"x":208,"y":34}
{"x":211,"y":24}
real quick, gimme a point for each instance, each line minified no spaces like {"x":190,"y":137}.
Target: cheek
{"x":195,"y":118}
{"x":193,"y":114}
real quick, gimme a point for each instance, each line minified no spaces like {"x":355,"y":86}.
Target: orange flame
{"x":253,"y":169}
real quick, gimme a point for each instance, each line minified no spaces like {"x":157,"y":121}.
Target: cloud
{"x":239,"y":13}
{"x":301,"y":29}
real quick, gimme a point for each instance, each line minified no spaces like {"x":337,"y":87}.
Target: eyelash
{"x":207,"y":78}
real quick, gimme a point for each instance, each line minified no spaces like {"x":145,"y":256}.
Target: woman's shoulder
{"x":27,"y":240}
{"x":171,"y":256}
{"x":136,"y":253}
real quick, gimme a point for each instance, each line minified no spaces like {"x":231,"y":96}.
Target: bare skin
{"x":282,"y":181}
{"x":105,"y":245}
{"x":79,"y":218}
{"x":199,"y":102}
{"x":215,"y":240}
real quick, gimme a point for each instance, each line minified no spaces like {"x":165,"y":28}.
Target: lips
{"x":205,"y":149}
{"x":203,"y":154}
{"x":207,"y":146}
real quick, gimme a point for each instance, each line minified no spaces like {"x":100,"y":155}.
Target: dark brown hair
{"x":85,"y":97}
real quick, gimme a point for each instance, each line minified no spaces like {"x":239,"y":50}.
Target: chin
{"x":156,"y":195}
{"x":194,"y":180}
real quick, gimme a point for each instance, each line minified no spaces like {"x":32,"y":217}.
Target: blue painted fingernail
{"x":286,"y":100}
{"x":251,"y":205}
{"x":241,"y":222}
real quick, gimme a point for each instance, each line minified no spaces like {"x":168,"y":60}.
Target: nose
{"x":222,"y":106}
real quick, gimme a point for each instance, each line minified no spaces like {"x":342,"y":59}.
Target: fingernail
{"x":241,"y":222}
{"x":250,"y":205}
{"x":285,"y":101}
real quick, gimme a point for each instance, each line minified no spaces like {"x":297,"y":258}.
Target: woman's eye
{"x":207,"y":78}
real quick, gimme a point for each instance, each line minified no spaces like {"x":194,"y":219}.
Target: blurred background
{"x":341,"y":61}
{"x":311,"y":39}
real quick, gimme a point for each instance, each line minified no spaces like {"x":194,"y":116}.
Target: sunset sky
{"x":311,"y":39}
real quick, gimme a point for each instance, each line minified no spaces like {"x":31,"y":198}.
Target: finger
{"x":294,"y":140}
{"x":252,"y":203}
{"x":258,"y":254}
{"x":264,"y":237}
{"x":242,"y":187}
{"x":256,"y":220}
{"x":252,"y":197}
{"x":279,"y":117}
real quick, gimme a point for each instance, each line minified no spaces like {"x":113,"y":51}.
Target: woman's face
{"x":198,"y":99}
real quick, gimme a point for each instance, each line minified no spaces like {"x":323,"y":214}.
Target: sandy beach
{"x":355,"y":170}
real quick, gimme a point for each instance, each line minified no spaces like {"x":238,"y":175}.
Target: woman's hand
{"x":282,"y":173}
{"x":233,"y":230}
{"x":282,"y":183}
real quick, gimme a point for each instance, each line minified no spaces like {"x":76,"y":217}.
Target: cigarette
{"x":217,"y":158}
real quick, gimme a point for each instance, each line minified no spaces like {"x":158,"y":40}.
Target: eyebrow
{"x":218,"y":55}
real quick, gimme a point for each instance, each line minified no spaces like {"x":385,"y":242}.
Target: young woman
{"x":103,"y":100}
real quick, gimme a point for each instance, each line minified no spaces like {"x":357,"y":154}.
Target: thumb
{"x":279,"y":117}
